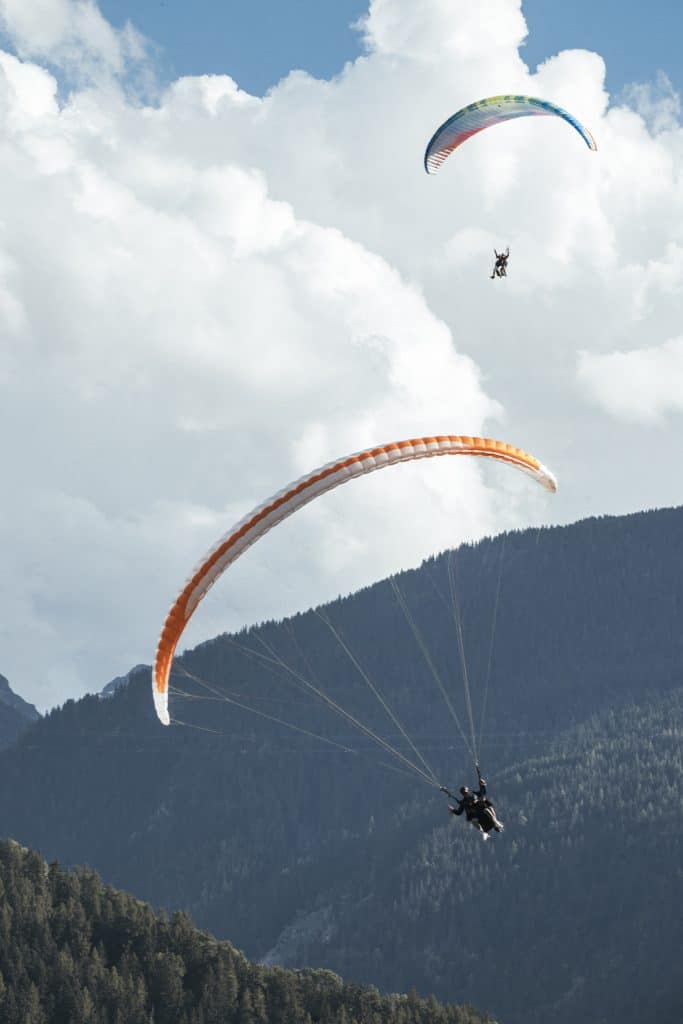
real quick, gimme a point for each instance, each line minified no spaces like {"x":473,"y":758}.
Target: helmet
{"x":464,"y":790}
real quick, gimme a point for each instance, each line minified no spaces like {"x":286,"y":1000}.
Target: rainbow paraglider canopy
{"x":486,"y":113}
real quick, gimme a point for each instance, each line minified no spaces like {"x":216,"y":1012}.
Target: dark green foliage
{"x":73,"y":952}
{"x":322,"y":858}
{"x":573,"y":915}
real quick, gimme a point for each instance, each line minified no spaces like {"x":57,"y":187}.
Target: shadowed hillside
{"x":75,"y":952}
{"x":305,"y":853}
{"x":16,"y":714}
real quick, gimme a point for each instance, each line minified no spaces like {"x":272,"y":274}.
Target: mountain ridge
{"x":16,"y":714}
{"x":259,"y":831}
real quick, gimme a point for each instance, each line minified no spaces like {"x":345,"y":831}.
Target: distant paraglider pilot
{"x":500,"y":267}
{"x":476,"y":806}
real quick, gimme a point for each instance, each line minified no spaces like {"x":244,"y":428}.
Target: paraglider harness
{"x":500,"y":267}
{"x":478,"y":809}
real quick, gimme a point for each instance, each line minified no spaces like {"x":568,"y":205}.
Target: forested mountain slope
{"x":16,"y":714}
{"x":573,"y":914}
{"x":75,"y":952}
{"x":296,"y":849}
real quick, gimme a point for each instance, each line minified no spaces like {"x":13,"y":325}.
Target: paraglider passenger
{"x":466,"y":803}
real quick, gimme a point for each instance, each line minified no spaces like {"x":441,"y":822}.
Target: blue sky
{"x":259,"y":42}
{"x":635,"y":39}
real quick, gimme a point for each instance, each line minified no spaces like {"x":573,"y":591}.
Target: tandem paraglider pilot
{"x":477,"y":808}
{"x":500,"y":267}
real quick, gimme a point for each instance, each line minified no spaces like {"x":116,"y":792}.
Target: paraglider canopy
{"x":295,"y":496}
{"x":484,"y":114}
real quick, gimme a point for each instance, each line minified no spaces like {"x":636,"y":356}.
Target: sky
{"x":208,"y":289}
{"x":260,"y":42}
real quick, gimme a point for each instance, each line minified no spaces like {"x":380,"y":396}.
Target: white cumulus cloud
{"x":204,"y":297}
{"x":641,"y":385}
{"x":71,"y":34}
